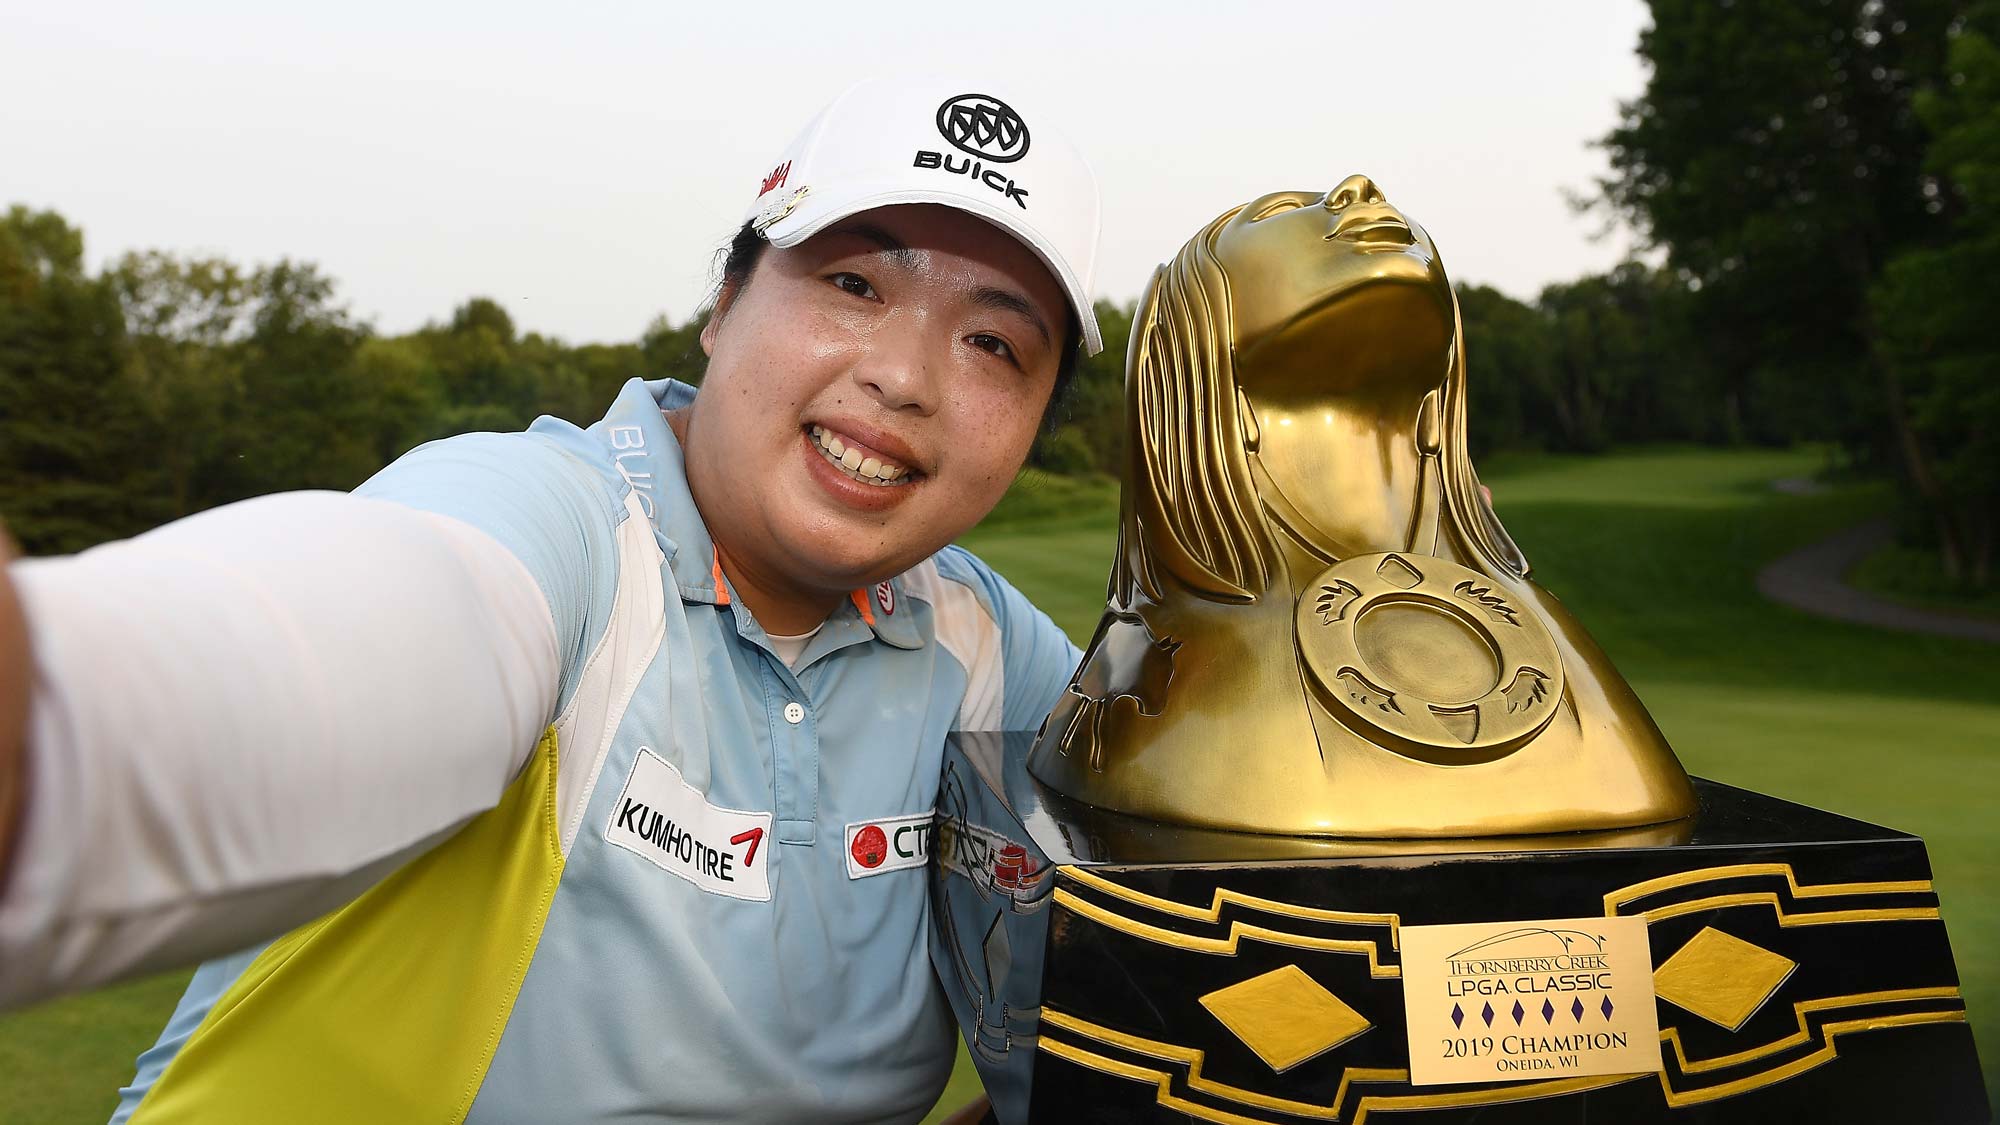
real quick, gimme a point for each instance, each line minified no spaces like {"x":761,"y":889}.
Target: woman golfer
{"x":585,"y":774}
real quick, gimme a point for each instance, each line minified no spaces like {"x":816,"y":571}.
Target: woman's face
{"x":870,"y":395}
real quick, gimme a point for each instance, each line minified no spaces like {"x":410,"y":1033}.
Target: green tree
{"x":1085,"y":432}
{"x":601,"y":370}
{"x":673,"y":351}
{"x":297,"y":419}
{"x":1510,"y":375}
{"x":1777,"y":156}
{"x":1935,"y":304}
{"x":487,"y":386}
{"x":1622,"y":369}
{"x":74,"y":439}
{"x":400,"y":401}
{"x":183,"y":318}
{"x":1593,"y":362}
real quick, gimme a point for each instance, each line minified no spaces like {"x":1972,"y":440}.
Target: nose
{"x":898,"y":370}
{"x":1352,"y":190}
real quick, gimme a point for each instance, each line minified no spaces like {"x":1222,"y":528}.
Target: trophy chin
{"x":1316,"y":627}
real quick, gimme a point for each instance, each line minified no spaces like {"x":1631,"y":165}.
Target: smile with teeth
{"x":866,"y":468}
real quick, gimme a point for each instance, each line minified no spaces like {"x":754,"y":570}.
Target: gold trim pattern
{"x":1193,"y":1057}
{"x":1626,"y":895}
{"x":1743,"y":870}
{"x":1224,"y":896}
{"x":1672,"y":1036}
{"x":1238,"y":929}
{"x":1225,"y":946}
{"x":1161,"y":1078}
{"x":1825,"y":1054}
{"x":1788,"y":919}
{"x":1794,"y":891}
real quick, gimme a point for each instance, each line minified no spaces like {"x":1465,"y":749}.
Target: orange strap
{"x":721,"y":591}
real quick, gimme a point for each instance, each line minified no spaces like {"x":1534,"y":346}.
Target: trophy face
{"x":1314,"y":274}
{"x":1343,"y":323}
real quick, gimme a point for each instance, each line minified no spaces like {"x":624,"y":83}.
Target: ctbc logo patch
{"x":885,"y":598}
{"x":984,"y":126}
{"x":893,"y":844}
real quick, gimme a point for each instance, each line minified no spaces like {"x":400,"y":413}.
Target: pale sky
{"x":581,"y":162}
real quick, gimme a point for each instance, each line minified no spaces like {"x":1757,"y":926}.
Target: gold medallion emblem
{"x":1427,"y":658}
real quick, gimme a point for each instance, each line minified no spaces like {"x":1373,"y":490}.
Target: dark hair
{"x":739,"y":261}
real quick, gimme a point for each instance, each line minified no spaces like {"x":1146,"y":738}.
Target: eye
{"x":987,"y":342}
{"x":1276,"y":207}
{"x":853,"y":283}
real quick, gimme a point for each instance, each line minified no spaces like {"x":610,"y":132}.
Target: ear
{"x":723,"y":300}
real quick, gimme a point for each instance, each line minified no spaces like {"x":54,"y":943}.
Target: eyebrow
{"x":1007,"y":300}
{"x":888,"y":243}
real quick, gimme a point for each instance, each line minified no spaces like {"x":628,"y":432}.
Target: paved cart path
{"x":1810,"y":579}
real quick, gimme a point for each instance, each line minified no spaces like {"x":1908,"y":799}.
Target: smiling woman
{"x":870,"y":394}
{"x":539,"y":741}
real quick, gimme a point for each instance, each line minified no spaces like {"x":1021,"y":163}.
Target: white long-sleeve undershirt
{"x":240,"y":720}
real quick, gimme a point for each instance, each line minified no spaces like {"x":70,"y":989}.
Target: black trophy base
{"x":1079,"y":984}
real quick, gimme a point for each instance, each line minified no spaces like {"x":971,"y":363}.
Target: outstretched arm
{"x":238,"y":721}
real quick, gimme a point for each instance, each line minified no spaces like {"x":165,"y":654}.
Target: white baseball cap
{"x":975,"y":146}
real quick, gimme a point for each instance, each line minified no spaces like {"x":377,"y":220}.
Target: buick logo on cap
{"x":985,"y":127}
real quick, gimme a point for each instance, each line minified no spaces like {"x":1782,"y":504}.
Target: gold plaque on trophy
{"x":1506,"y":1001}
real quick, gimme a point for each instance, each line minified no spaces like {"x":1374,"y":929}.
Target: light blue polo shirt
{"x":705,"y":897}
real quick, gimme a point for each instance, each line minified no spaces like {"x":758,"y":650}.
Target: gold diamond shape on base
{"x":1720,"y":978}
{"x":1285,"y":1016}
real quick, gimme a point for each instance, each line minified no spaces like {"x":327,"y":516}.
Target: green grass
{"x":63,"y":1061}
{"x":1655,"y":551}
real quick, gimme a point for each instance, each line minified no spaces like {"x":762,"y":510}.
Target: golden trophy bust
{"x":1316,"y":624}
{"x":1342,"y":815}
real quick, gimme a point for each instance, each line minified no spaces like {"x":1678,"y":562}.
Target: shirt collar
{"x":884,"y":609}
{"x":653,"y":467}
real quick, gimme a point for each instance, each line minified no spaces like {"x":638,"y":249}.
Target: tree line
{"x":163,"y":385}
{"x":1822,"y":181}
